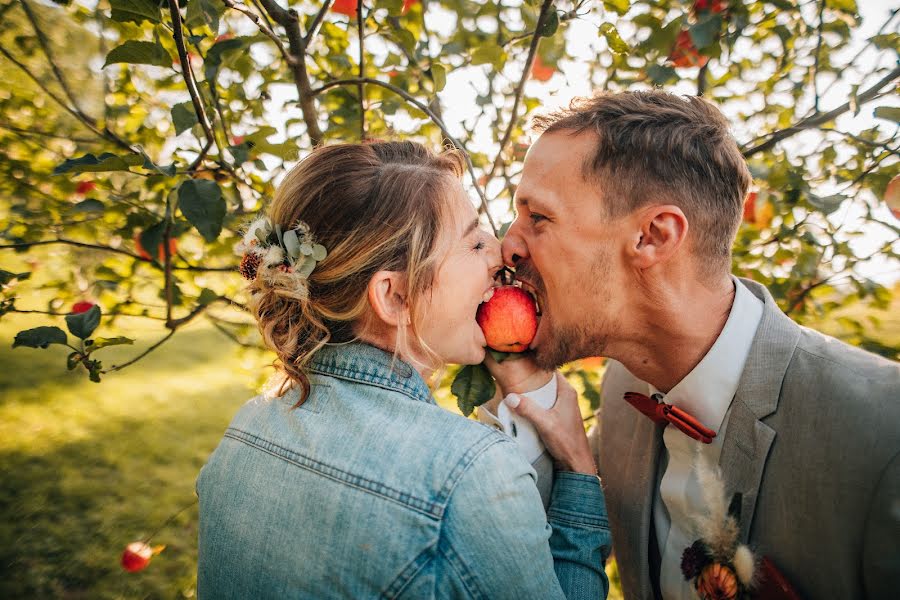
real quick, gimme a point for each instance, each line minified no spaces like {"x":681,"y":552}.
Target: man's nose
{"x":514,"y":247}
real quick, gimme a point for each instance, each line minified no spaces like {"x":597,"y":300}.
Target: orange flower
{"x":717,"y":582}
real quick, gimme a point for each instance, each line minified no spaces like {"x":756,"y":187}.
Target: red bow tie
{"x":661,"y":412}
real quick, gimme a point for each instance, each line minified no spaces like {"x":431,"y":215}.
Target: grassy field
{"x":88,"y":468}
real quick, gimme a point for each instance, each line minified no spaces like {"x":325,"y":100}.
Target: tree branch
{"x":317,"y":22}
{"x":84,"y":119}
{"x":115,"y":368}
{"x":520,"y":88}
{"x":821,"y":119}
{"x":267,"y":31}
{"x":362,"y":71}
{"x":437,"y":121}
{"x":815,"y":68}
{"x":188,"y":74}
{"x":289,"y":20}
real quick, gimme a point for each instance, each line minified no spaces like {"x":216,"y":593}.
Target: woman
{"x":350,"y":482}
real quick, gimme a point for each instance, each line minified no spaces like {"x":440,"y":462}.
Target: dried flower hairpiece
{"x":720,"y":567}
{"x":269,"y":252}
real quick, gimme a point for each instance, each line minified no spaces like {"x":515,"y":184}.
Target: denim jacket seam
{"x":429,"y":509}
{"x":490,"y":438}
{"x":455,"y":562}
{"x":580,"y":520}
{"x":380,"y":381}
{"x":408,"y":573}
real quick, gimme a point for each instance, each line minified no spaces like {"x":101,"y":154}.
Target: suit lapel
{"x":747,"y":439}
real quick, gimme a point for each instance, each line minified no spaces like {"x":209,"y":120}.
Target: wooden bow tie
{"x":661,"y":412}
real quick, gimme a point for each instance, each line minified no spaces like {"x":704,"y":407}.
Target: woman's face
{"x":464,"y":279}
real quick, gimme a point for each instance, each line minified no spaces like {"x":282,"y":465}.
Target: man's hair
{"x":656,"y":147}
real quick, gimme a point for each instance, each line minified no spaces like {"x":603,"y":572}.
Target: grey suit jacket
{"x":812,"y":444}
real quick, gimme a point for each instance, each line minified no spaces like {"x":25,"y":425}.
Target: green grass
{"x":88,"y":468}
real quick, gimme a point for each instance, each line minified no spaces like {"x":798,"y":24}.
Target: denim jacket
{"x":371,"y":490}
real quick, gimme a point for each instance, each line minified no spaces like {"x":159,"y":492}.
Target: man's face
{"x":564,"y":247}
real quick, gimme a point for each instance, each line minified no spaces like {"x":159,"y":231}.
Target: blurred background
{"x":138,"y":136}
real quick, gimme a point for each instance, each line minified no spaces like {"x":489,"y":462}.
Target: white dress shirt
{"x":527,"y":439}
{"x":706,"y":393}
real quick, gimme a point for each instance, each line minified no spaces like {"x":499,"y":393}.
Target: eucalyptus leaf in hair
{"x":319,"y":252}
{"x":292,"y":245}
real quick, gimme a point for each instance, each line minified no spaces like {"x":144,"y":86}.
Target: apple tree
{"x":138,"y":136}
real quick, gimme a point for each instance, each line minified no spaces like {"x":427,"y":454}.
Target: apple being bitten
{"x":509,"y":319}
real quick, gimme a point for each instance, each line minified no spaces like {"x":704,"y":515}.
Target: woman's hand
{"x":517,"y":375}
{"x":561,"y":427}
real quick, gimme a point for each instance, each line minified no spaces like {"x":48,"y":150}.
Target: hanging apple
{"x":142,"y":252}
{"x":892,"y":196}
{"x":541,"y":71}
{"x":685,"y":54}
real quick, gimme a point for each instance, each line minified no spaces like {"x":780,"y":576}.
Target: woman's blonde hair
{"x":374,"y":206}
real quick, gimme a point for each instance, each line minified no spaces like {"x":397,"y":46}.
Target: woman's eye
{"x":479,"y":246}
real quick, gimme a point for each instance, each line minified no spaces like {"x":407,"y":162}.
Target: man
{"x":627,"y":209}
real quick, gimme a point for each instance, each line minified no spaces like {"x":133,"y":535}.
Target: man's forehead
{"x":554,"y":166}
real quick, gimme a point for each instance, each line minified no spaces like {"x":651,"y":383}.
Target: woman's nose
{"x":514,"y":247}
{"x":494,"y":255}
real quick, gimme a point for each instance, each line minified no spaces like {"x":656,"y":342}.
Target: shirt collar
{"x":707,"y":391}
{"x":369,"y":365}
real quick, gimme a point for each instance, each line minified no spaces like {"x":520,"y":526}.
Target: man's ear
{"x":662,"y":230}
{"x":387,"y":297}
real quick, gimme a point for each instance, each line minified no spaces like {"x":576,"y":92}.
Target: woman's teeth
{"x":488,"y":295}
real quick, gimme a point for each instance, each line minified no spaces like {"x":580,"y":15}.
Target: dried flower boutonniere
{"x":719,"y":567}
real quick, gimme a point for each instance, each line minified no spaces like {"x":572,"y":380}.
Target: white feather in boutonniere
{"x":719,"y":567}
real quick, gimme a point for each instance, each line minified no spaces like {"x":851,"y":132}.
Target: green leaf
{"x":151,"y":240}
{"x":551,"y":24}
{"x":73,"y":360}
{"x":95,"y":164}
{"x":504,"y":356}
{"x":89,"y":205}
{"x":613,"y":39}
{"x":7,"y":276}
{"x":184,"y":117}
{"x":488,"y":55}
{"x":888,"y":113}
{"x":620,"y":7}
{"x":828,"y":204}
{"x":101,"y":342}
{"x":472,"y":386}
{"x":206,"y":296}
{"x":204,"y":12}
{"x":439,"y":75}
{"x":139,"y":53}
{"x":152,"y":166}
{"x":704,"y":33}
{"x":135,"y":10}
{"x":202,"y":204}
{"x":40,"y":337}
{"x":83,"y":324}
{"x":661,"y":74}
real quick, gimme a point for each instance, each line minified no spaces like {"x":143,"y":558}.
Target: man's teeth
{"x":488,"y":295}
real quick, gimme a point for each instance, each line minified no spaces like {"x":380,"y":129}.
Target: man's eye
{"x":536,"y":218}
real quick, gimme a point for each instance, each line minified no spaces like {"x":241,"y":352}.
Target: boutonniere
{"x":719,"y":567}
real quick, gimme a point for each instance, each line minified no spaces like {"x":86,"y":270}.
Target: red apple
{"x":160,"y":256}
{"x":509,"y":319}
{"x":136,"y":557}
{"x":345,"y":7}
{"x":540,"y":71}
{"x":81,"y":307}
{"x":408,"y":4}
{"x":84,"y":187}
{"x":685,"y":54}
{"x":892,"y":196}
{"x":750,"y":208}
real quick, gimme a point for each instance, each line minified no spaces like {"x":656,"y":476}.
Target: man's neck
{"x":674,"y":331}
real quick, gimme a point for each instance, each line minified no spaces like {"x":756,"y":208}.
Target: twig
{"x":162,"y":341}
{"x":317,"y":22}
{"x":84,"y":119}
{"x":820,"y":119}
{"x":267,"y":31}
{"x":856,"y":56}
{"x":437,"y":121}
{"x":47,"y":134}
{"x":815,"y":69}
{"x":289,"y":20}
{"x":362,"y":71}
{"x":520,"y":88}
{"x":21,"y":245}
{"x":188,"y":74}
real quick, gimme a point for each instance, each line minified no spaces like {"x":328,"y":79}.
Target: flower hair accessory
{"x":275,"y":255}
{"x":719,"y":567}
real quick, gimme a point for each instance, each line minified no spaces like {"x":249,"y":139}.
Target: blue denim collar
{"x":369,"y":365}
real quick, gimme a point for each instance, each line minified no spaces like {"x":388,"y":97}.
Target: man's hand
{"x":561,"y":427}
